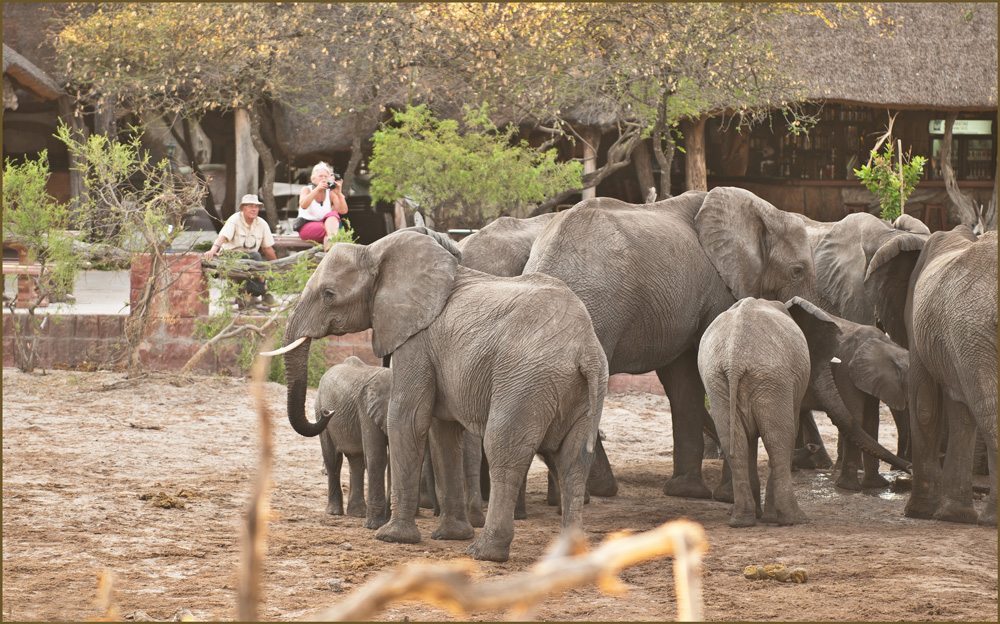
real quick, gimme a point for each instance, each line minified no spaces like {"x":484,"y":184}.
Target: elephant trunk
{"x":296,"y":376}
{"x":841,"y":417}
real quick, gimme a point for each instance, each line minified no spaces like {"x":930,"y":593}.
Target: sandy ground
{"x":83,"y":463}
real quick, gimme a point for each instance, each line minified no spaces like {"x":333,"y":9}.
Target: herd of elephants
{"x":751,"y":317}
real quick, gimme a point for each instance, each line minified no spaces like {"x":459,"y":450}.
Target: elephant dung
{"x":779,"y":572}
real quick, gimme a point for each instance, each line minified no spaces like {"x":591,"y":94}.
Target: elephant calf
{"x":356,"y":398}
{"x":754,"y":362}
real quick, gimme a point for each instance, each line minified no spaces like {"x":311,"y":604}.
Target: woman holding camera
{"x":320,"y":206}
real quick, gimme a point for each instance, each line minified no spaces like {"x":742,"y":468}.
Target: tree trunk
{"x":230,"y":199}
{"x":619,"y":155}
{"x":247,"y":158}
{"x":268,"y":165}
{"x":187,"y":144}
{"x":591,"y":143}
{"x":77,"y":188}
{"x":104,"y":118}
{"x":665,"y":158}
{"x":352,"y":164}
{"x":960,"y":204}
{"x":696,"y":177}
{"x":643,"y":168}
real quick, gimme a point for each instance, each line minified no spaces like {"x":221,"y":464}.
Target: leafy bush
{"x":881,"y":177}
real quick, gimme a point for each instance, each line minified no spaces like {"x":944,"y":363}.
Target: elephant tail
{"x":595,"y":370}
{"x":737,"y":419}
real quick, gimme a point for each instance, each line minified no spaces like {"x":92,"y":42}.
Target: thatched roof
{"x":939,"y":56}
{"x":27,"y":76}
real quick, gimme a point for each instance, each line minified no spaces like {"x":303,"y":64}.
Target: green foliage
{"x":463,"y":176}
{"x":881,"y":177}
{"x":39,"y":223}
{"x":286,"y":286}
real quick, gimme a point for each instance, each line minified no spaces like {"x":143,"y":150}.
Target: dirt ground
{"x":83,"y":464}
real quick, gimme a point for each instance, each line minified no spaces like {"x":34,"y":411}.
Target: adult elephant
{"x":653,"y":276}
{"x":942,"y":296}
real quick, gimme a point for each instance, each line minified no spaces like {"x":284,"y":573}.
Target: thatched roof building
{"x":935,"y":55}
{"x":20,"y":73}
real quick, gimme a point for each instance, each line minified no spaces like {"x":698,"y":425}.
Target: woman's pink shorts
{"x":315,"y":230}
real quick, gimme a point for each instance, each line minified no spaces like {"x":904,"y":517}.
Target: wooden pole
{"x":902,"y":198}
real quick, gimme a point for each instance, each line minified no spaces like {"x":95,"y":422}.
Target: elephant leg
{"x":356,"y":495}
{"x":509,"y":454}
{"x":472,"y":450}
{"x":779,"y":442}
{"x":925,"y":441}
{"x":407,"y":424}
{"x":601,"y":480}
{"x":376,"y":445}
{"x":849,"y":458}
{"x":902,"y":420}
{"x":573,"y":463}
{"x":956,"y":482}
{"x":552,"y":496}
{"x":334,"y":462}
{"x":686,"y":394}
{"x":428,"y":499}
{"x":447,"y":439}
{"x":724,"y":491}
{"x":521,"y":506}
{"x":869,"y":422}
{"x":809,"y":434}
{"x":989,"y":514}
{"x":754,"y":476}
{"x":744,"y":512}
{"x":484,"y":477}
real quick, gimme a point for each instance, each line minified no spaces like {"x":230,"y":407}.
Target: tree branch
{"x":568,"y":564}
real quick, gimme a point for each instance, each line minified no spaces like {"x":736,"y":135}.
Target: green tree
{"x":891,"y":179}
{"x":463,"y":176}
{"x":184,"y":59}
{"x":34,"y":221}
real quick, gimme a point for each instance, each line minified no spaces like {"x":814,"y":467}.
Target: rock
{"x":336,"y":585}
{"x":779,"y":572}
{"x":138,"y":616}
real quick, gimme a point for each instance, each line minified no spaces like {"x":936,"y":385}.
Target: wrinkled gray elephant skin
{"x":356,"y":398}
{"x":941,"y":294}
{"x":653,"y":276}
{"x":513,"y":360}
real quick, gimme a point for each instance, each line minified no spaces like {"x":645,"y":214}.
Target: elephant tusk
{"x":286,"y":348}
{"x":835,"y":360}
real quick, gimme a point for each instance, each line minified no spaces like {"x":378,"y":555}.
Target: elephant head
{"x":396,"y":286}
{"x":758,"y":250}
{"x":825,"y":337}
{"x":879,"y":368}
{"x":887,"y":282}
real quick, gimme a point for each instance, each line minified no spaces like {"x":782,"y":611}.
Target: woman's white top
{"x":316,"y":211}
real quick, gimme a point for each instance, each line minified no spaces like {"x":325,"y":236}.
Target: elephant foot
{"x":954,"y":511}
{"x":687,"y":486}
{"x":848,"y":480}
{"x":519,"y":514}
{"x":333,"y":509}
{"x":794,"y":516}
{"x":374,"y":523}
{"x":552,"y":497}
{"x":357,"y":510}
{"x":874,"y":481}
{"x":399,"y":531}
{"x":487,"y":548}
{"x":476,"y":517}
{"x":723,"y":492}
{"x":920,"y":507}
{"x":452,"y":529}
{"x":743,"y":521}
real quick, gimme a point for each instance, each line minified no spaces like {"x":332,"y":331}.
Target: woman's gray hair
{"x":321,"y":165}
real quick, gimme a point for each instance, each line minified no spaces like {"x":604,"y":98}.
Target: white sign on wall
{"x":962,"y":126}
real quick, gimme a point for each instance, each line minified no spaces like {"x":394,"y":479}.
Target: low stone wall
{"x":92,"y":342}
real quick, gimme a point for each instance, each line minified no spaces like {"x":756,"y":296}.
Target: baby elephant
{"x":356,"y":397}
{"x":754,"y":362}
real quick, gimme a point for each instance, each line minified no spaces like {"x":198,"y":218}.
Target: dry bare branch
{"x":251,"y":268}
{"x":255,"y":532}
{"x":568,"y":564}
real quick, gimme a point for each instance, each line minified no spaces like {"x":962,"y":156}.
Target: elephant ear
{"x":887,"y":282}
{"x":841,"y":258}
{"x":879,"y":367}
{"x":731,"y":230}
{"x":375,"y":397}
{"x":821,"y":331}
{"x":414,"y":276}
{"x":909,"y":223}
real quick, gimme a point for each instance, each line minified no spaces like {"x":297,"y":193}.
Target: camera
{"x":332,"y":182}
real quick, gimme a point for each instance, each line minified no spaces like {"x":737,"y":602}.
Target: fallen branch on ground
{"x":568,"y":564}
{"x":233,"y":330}
{"x":250,"y":268}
